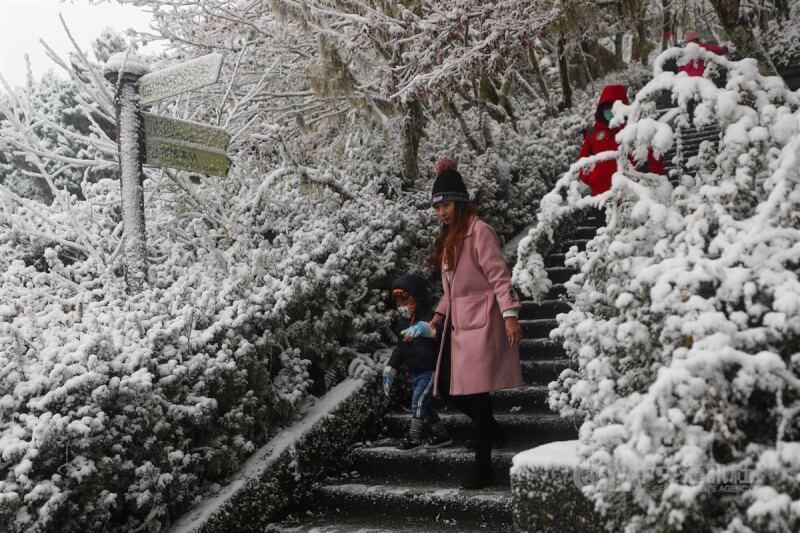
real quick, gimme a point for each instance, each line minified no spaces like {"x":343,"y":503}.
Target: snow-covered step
{"x":594,"y":220}
{"x":695,"y":142}
{"x":688,"y":150}
{"x":696,"y":137}
{"x":791,"y":75}
{"x":554,"y":260}
{"x":532,"y":396}
{"x":584,"y":232}
{"x":690,"y":145}
{"x":383,"y":523}
{"x":532,"y":349}
{"x":545,"y":309}
{"x":446,"y":466}
{"x":560,"y":274}
{"x":543,"y":372}
{"x":491,"y":506}
{"x":556,"y":290}
{"x":529,"y":426}
{"x":569,"y":243}
{"x":538,"y":328}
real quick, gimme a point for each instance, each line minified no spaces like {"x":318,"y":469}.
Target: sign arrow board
{"x":179,"y":78}
{"x":183,"y":144}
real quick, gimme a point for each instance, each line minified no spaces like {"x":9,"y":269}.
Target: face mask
{"x":608,"y":115}
{"x":404,"y":312}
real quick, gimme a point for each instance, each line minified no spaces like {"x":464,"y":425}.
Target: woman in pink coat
{"x":479,"y":352}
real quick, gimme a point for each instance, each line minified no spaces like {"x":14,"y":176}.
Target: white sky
{"x":24,"y":22}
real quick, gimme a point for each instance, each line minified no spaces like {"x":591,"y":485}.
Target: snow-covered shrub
{"x":117,"y":411}
{"x":782,"y":39}
{"x":686,"y":326}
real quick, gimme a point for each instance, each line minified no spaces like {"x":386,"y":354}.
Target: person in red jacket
{"x":601,"y":138}
{"x":696,"y":67}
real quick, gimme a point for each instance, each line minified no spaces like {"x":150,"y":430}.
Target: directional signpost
{"x":184,"y":144}
{"x":146,"y":138}
{"x":178,"y":79}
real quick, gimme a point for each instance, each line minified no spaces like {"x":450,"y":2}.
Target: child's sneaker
{"x":439,"y":436}
{"x":409,"y":444}
{"x":413,"y":438}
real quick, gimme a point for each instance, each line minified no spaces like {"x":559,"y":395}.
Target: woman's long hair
{"x":450,"y":236}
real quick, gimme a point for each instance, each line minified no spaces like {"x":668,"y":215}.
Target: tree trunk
{"x":505,"y":101}
{"x":783,"y":9}
{"x":413,"y":127}
{"x":563,"y":74}
{"x":486,"y":128}
{"x":600,"y":59}
{"x":642,"y":46}
{"x":666,"y":24}
{"x":619,"y":40}
{"x":740,"y":32}
{"x":540,"y":79}
{"x":476,"y":147}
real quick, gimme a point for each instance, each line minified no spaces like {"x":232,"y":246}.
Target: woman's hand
{"x":513,"y":331}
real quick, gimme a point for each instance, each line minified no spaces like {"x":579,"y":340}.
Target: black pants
{"x":478,"y":407}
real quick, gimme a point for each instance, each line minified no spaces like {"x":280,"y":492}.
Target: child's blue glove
{"x":388,"y":377}
{"x":418,"y":329}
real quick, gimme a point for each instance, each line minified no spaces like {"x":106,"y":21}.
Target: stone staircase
{"x":687,"y":145}
{"x":387,"y":490}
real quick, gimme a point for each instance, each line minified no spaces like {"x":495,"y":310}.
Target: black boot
{"x":481,"y":474}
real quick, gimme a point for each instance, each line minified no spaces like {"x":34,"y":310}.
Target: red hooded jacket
{"x":697,"y":67}
{"x":600,"y":138}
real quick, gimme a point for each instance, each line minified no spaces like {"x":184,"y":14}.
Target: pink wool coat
{"x":473,"y":304}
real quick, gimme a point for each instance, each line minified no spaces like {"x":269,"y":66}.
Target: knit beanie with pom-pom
{"x":449,"y":185}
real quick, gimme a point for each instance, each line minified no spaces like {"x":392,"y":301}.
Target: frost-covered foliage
{"x":117,"y":411}
{"x":57,"y":134}
{"x":783,"y":38}
{"x":686,"y":326}
{"x":55,"y":116}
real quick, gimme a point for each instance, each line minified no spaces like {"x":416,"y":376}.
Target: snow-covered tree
{"x":685,"y":327}
{"x":58,"y":132}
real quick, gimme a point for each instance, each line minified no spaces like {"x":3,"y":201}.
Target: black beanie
{"x":449,"y":185}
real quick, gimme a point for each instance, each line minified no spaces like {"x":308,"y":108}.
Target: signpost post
{"x":146,"y":138}
{"x":124,"y":71}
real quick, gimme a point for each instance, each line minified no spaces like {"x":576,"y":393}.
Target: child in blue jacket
{"x":418,"y":350}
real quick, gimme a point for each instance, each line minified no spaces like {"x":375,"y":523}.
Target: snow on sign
{"x":181,"y":78}
{"x":183,"y":144}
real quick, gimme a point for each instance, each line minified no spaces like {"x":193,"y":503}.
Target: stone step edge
{"x":332,"y":522}
{"x":502,"y":418}
{"x":238,"y":506}
{"x":546,"y":492}
{"x":492,"y":494}
{"x":492,"y":502}
{"x":456,"y":451}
